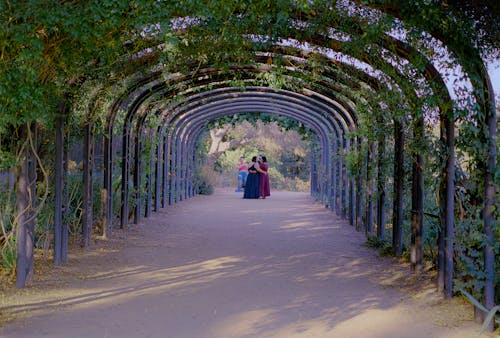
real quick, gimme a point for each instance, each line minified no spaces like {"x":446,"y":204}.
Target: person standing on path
{"x":264,"y":184}
{"x":242,"y":173}
{"x":252,"y":183}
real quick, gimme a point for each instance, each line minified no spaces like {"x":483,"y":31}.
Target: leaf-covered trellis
{"x":140,"y":81}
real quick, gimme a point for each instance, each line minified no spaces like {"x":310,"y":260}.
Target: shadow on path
{"x":221,"y":266}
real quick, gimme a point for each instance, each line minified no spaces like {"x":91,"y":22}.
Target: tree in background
{"x":287,"y":152}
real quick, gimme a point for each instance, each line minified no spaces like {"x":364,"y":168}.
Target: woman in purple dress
{"x":264,"y":185}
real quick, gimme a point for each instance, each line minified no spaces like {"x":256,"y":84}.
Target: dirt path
{"x":221,"y":266}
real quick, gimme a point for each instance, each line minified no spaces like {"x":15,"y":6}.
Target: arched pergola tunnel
{"x":326,"y":82}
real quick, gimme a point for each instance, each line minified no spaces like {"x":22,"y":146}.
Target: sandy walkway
{"x":221,"y":266}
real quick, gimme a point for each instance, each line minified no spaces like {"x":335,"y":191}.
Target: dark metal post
{"x":369,"y":189}
{"x":450,"y":203}
{"x":22,"y":210}
{"x":125,"y":176}
{"x":171,"y":173}
{"x":489,"y":200}
{"x":149,"y":189}
{"x":333,"y":174}
{"x":345,"y":179}
{"x":338,"y":180}
{"x":108,"y":184}
{"x":65,"y":203}
{"x":58,"y":191}
{"x":352,"y":200}
{"x":417,"y":202}
{"x":32,"y":195}
{"x":87,"y":212}
{"x":138,"y":178}
{"x":158,"y":182}
{"x":381,"y":189}
{"x":447,"y":190}
{"x":313,"y":171}
{"x":397,"y":217}
{"x":178,"y":170}
{"x":359,"y":189}
{"x":166,"y":179}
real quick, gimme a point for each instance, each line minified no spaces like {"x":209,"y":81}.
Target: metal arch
{"x":346,"y":111}
{"x":186,"y":175}
{"x":166,"y":161}
{"x":331,"y":109}
{"x":151,"y":88}
{"x":341,"y":101}
{"x":326,"y":108}
{"x":344,"y":193}
{"x":109,"y":151}
{"x":126,"y":146}
{"x":330,"y":101}
{"x":408,"y":57}
{"x":325,"y":156}
{"x":299,"y":118}
{"x":167,"y":151}
{"x":260,"y":90}
{"x":231,"y":109}
{"x":164,"y":176}
{"x":389,"y":39}
{"x":125,"y":133}
{"x":191,"y":149}
{"x":343,"y":196}
{"x":427,"y":78}
{"x":239,"y":93}
{"x":108,"y":148}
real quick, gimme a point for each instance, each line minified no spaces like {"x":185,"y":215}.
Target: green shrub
{"x":469,"y":257}
{"x":205,"y":188}
{"x":7,"y":238}
{"x":8,"y":257}
{"x":204,"y":181}
{"x":384,"y":246}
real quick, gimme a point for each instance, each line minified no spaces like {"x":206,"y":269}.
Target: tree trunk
{"x":216,"y":145}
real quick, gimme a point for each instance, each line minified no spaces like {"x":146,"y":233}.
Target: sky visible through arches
{"x":494,"y":70}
